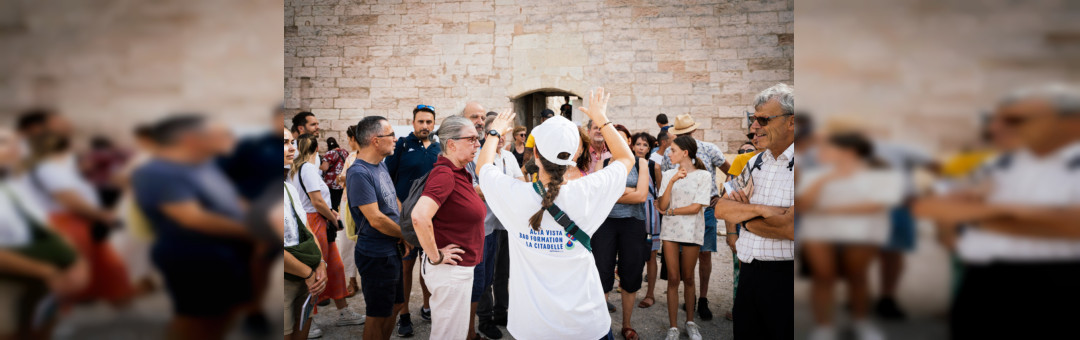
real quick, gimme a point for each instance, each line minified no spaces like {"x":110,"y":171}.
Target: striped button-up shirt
{"x":774,"y":185}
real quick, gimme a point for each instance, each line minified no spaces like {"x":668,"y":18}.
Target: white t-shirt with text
{"x":559,"y":292}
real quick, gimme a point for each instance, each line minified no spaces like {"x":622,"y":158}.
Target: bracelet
{"x":606,"y":124}
{"x":309,"y":275}
{"x":436,"y":262}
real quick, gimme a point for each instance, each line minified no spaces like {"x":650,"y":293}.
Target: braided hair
{"x":556,"y":173}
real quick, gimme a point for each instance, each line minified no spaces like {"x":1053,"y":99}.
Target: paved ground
{"x":651,"y":323}
{"x":148,"y":316}
{"x":923,"y":294}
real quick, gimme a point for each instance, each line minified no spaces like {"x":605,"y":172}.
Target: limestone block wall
{"x":348,"y":59}
{"x":110,"y":64}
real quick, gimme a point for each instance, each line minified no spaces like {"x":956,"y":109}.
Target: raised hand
{"x":597,"y":110}
{"x":504,"y":122}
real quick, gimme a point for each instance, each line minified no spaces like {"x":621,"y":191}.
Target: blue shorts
{"x":380,"y":282}
{"x":710,"y":231}
{"x":902,"y":233}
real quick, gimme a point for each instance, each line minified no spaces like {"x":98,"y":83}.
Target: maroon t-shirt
{"x":460,"y":219}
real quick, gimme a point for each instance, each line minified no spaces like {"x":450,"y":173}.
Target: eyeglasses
{"x":521,"y":135}
{"x":425,"y":107}
{"x":763,"y":121}
{"x":389,"y":135}
{"x":745,"y":151}
{"x":472,"y":140}
{"x":1014,"y":121}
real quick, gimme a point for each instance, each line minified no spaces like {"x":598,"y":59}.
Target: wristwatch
{"x":493,"y":133}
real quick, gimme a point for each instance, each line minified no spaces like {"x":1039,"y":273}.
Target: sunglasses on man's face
{"x":1014,"y":121}
{"x":763,"y":121}
{"x":745,"y":151}
{"x":391,"y":135}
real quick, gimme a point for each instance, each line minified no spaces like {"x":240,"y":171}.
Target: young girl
{"x":845,"y":205}
{"x":684,"y":191}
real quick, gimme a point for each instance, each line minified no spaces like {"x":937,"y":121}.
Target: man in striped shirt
{"x":1022,"y":252}
{"x":766,"y":246}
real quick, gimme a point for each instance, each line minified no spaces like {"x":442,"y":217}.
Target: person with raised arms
{"x":550,"y":223}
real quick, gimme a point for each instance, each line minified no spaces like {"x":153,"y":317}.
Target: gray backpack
{"x":415,"y":191}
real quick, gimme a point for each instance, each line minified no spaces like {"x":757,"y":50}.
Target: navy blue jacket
{"x":411,"y":160}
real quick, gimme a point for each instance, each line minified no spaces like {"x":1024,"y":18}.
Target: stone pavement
{"x":149,"y":315}
{"x":923,"y":294}
{"x":651,"y":323}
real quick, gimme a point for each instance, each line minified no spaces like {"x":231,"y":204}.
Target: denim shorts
{"x":710,"y":231}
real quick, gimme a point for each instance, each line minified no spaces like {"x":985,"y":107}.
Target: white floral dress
{"x":692,"y":189}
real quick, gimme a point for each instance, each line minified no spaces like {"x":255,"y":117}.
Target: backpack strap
{"x":568,"y":225}
{"x":758,"y":161}
{"x":300,"y":178}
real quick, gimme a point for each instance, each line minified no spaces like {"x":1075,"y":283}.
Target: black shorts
{"x":622,"y":239}
{"x":380,"y":282}
{"x":208,"y":286}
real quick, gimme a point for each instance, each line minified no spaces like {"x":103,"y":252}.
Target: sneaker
{"x":404,"y":326}
{"x":703,"y":309}
{"x":692,"y":331}
{"x":347,"y":317}
{"x":425,"y":313}
{"x":888,"y":309}
{"x":864,"y":330}
{"x":315,"y":332}
{"x":672,"y":334}
{"x":823,"y":333}
{"x":490,"y":331}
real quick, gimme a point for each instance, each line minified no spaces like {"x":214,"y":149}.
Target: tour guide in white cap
{"x":565,"y":299}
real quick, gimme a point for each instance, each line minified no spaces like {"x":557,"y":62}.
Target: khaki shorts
{"x":295,"y":294}
{"x":9,"y":305}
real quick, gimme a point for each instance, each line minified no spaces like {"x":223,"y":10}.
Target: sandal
{"x":642,"y":304}
{"x":629,"y":333}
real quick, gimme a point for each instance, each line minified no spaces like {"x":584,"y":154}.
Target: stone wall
{"x":922,"y":71}
{"x":348,"y":59}
{"x":110,"y":64}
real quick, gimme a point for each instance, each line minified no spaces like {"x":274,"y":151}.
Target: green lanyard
{"x":568,"y":225}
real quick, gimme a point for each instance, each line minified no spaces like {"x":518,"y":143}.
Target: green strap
{"x":568,"y":225}
{"x":306,"y":251}
{"x":45,"y":245}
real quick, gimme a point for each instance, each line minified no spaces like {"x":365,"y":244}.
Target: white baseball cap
{"x":557,"y":140}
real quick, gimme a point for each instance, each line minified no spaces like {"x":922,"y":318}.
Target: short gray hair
{"x":782,"y":93}
{"x":368,"y":127}
{"x":1065,"y":99}
{"x":452,"y":127}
